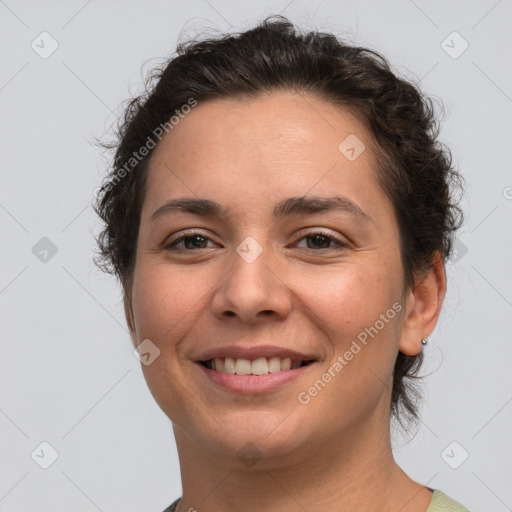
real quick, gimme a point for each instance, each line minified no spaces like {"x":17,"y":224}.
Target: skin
{"x":334,"y":452}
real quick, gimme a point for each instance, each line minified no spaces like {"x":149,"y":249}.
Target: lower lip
{"x":253,"y":384}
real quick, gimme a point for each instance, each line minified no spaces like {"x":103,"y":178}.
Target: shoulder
{"x":442,"y":503}
{"x":172,"y":506}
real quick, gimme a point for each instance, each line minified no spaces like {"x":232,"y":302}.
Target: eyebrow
{"x":286,"y":207}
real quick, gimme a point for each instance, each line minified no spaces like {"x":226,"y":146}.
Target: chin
{"x":263,"y":437}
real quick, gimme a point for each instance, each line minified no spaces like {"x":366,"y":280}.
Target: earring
{"x":424,"y":341}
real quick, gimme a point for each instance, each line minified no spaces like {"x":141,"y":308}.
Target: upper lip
{"x":254,"y":352}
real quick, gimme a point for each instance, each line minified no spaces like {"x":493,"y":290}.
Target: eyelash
{"x":340,"y":243}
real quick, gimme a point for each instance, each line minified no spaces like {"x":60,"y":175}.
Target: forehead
{"x":249,"y":151}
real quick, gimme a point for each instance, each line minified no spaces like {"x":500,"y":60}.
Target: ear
{"x":423,"y":306}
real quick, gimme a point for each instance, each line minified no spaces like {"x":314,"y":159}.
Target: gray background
{"x":68,"y":376}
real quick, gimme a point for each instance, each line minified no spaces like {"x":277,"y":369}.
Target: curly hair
{"x":414,"y":169}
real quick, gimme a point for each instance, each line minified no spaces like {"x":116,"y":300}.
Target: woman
{"x":279,"y":212}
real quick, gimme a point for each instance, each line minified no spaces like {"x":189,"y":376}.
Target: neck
{"x":355,"y":472}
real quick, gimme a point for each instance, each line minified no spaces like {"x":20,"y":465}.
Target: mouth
{"x":255,"y":369}
{"x":260,"y":366}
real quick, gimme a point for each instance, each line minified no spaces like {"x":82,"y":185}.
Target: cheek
{"x":358,"y":308}
{"x":348,"y":299}
{"x":348,"y":303}
{"x":165,"y":302}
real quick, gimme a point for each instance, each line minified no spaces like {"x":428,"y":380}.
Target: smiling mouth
{"x":260,"y":366}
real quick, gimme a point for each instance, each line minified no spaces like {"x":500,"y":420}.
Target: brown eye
{"x":189,"y":242}
{"x":194,"y":242}
{"x":322,"y":241}
{"x":319,"y":241}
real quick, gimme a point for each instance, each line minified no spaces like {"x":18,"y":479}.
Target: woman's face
{"x":269,"y":270}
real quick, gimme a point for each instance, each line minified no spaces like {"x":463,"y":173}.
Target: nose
{"x":252,"y":291}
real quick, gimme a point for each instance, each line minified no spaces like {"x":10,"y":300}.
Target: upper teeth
{"x":260,"y":366}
